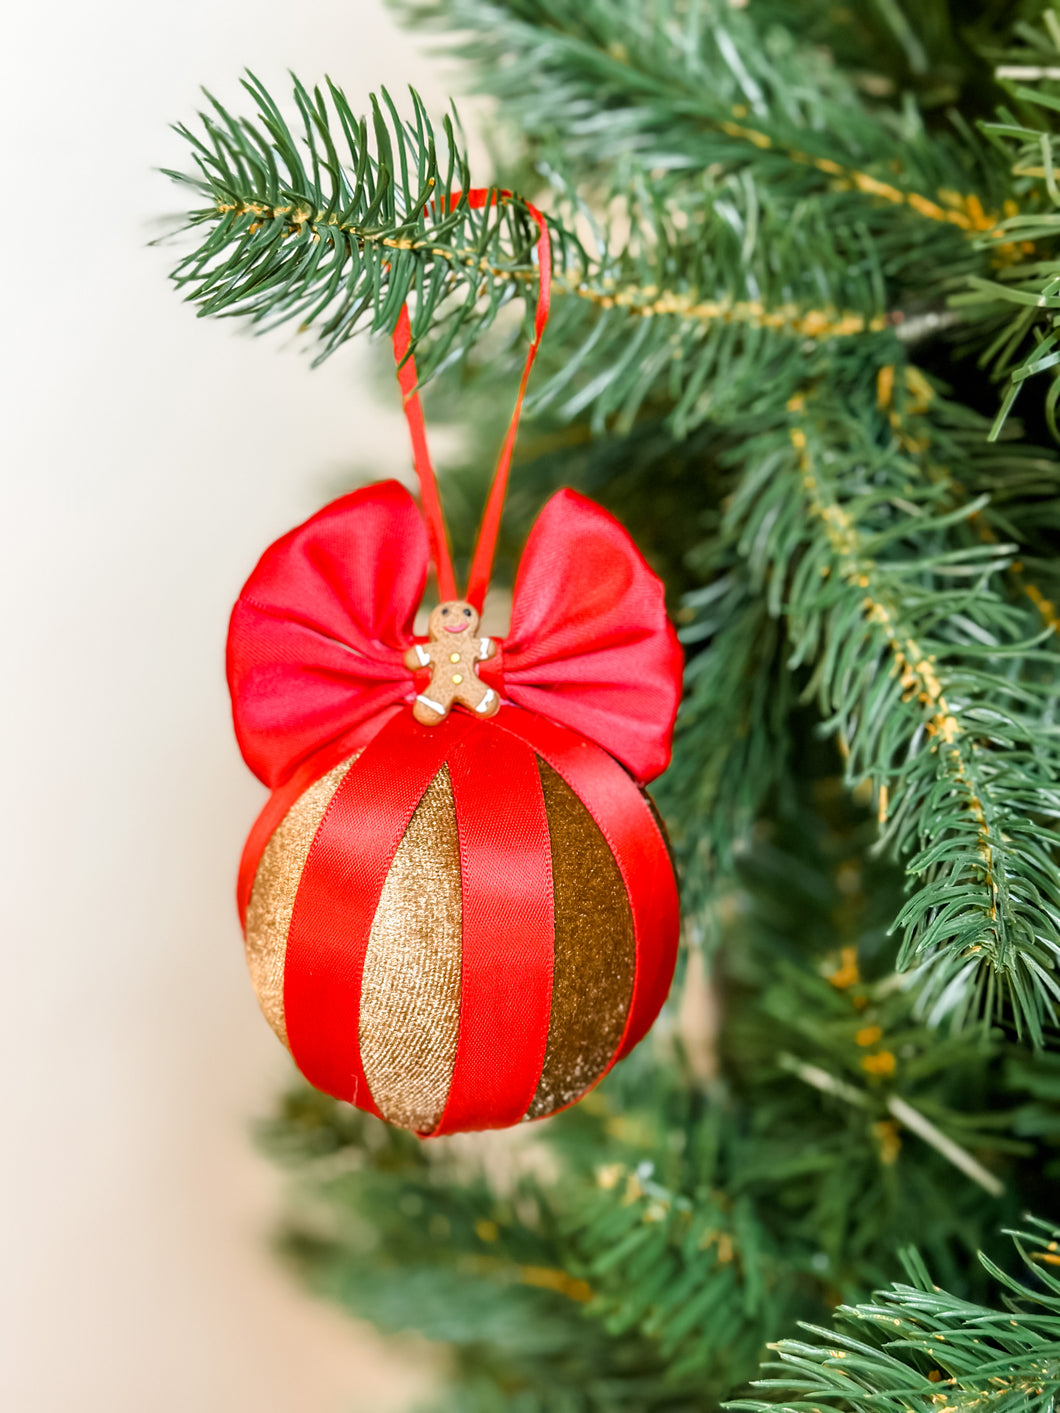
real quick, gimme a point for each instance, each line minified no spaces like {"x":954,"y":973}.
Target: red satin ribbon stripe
{"x":509,"y":931}
{"x":338,"y":896}
{"x":639,"y":849}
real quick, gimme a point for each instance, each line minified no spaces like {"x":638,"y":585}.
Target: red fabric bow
{"x":318,"y":635}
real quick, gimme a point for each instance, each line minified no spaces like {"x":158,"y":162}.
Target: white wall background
{"x":148,"y":459}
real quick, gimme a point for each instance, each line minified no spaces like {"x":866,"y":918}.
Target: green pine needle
{"x":916,"y":662}
{"x":916,"y":1348}
{"x":337,"y":225}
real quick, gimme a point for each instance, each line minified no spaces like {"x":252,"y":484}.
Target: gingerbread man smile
{"x":454,"y":666}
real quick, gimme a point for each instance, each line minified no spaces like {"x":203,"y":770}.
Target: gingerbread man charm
{"x":453,"y":654}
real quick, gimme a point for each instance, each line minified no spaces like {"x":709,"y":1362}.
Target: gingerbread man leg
{"x":429,"y":712}
{"x":482,"y":700}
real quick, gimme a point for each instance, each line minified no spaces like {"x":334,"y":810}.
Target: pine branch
{"x":819,"y":1006}
{"x":413,"y":1236}
{"x":610,"y":94}
{"x":671,"y":88}
{"x":932,"y":53}
{"x":293,"y":232}
{"x":1021,"y":480}
{"x":729,"y":276}
{"x":916,"y":1348}
{"x":728,"y":312}
{"x":696,"y":1274}
{"x":915,"y":660}
{"x":1022,"y":301}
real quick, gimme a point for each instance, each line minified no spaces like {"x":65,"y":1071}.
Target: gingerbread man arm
{"x":487,"y":648}
{"x":417,"y":656}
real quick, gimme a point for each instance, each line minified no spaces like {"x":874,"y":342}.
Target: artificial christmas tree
{"x":804,"y":280}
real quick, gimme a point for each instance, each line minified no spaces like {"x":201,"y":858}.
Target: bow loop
{"x":590,"y":645}
{"x":318,"y":634}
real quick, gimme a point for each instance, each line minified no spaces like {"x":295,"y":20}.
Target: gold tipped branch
{"x":916,"y":669}
{"x":951,"y":207}
{"x":650,"y":301}
{"x":505,"y":1272}
{"x":960,"y":209}
{"x":645,"y":301}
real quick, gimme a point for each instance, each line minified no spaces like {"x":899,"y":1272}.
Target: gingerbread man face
{"x":453,"y":654}
{"x":449,"y":620}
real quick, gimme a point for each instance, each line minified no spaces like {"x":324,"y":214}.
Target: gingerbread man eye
{"x":445,"y":613}
{"x":467,"y":613}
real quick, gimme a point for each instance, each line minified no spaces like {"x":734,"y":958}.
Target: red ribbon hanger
{"x":482,"y":560}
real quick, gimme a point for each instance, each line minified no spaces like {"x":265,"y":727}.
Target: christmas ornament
{"x":458,"y":903}
{"x":453,"y":661}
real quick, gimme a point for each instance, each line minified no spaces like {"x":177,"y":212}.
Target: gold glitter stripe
{"x":595,"y":958}
{"x":410,"y":993}
{"x":275,"y":888}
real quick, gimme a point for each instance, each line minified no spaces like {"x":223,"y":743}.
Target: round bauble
{"x":463,"y":926}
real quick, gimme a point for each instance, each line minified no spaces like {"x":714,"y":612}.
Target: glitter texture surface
{"x":410,"y":991}
{"x":272,"y":898}
{"x":595,"y":955}
{"x":410,"y":994}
